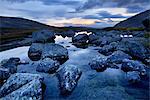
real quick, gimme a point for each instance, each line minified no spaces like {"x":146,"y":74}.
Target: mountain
{"x":12,"y":28}
{"x":134,"y":21}
{"x":20,"y":23}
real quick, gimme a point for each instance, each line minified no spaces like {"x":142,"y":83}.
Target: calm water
{"x":108,"y":85}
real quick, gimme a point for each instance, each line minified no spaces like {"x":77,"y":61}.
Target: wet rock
{"x":11,"y":64}
{"x":20,"y":85}
{"x":43,"y":36}
{"x":47,"y":65}
{"x":29,"y":91}
{"x":35,"y":51}
{"x":68,"y":77}
{"x":4,"y":74}
{"x":131,"y":65}
{"x":133,"y":77}
{"x":13,"y":60}
{"x":99,"y":64}
{"x":55,"y":52}
{"x":105,"y":40}
{"x":118,"y":57}
{"x":96,"y":42}
{"x":135,"y":49}
{"x":11,"y":67}
{"x":93,"y":38}
{"x":108,"y":49}
{"x":80,"y":38}
{"x":48,"y":50}
{"x":69,"y":33}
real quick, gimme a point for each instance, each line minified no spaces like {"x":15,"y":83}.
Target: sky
{"x":85,"y":13}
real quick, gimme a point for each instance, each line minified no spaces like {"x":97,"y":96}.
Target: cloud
{"x":90,"y":4}
{"x":105,"y":14}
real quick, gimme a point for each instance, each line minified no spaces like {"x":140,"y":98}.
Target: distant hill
{"x":134,"y":21}
{"x":20,"y":23}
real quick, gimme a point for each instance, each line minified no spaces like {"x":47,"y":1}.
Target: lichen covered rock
{"x":47,"y":65}
{"x":68,"y":78}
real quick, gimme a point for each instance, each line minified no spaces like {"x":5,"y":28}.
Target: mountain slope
{"x":20,"y":23}
{"x":134,"y":21}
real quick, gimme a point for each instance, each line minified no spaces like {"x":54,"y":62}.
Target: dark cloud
{"x":91,"y":17}
{"x":105,"y":14}
{"x":134,"y":8}
{"x":47,"y":2}
{"x":89,"y":4}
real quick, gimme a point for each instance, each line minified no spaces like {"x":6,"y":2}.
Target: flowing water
{"x":108,"y":85}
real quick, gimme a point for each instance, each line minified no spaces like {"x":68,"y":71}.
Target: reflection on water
{"x":20,"y":52}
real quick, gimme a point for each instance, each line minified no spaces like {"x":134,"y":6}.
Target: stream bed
{"x":110,"y":84}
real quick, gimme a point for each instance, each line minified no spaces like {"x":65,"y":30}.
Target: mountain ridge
{"x":134,"y":21}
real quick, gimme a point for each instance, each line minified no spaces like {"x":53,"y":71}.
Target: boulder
{"x":93,"y":38}
{"x":105,"y":40}
{"x":68,"y":78}
{"x":20,"y":84}
{"x":48,"y":50}
{"x":131,"y":65}
{"x":47,"y":65}
{"x":134,"y":48}
{"x":55,"y":52}
{"x":11,"y":67}
{"x":13,"y":60}
{"x":11,"y":64}
{"x":108,"y":49}
{"x":35,"y":51}
{"x":118,"y":56}
{"x":43,"y":36}
{"x":70,"y":33}
{"x":133,"y":77}
{"x":80,"y":38}
{"x":29,"y":91}
{"x":4,"y":74}
{"x":99,"y":63}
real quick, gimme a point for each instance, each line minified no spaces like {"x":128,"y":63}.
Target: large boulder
{"x":35,"y":51}
{"x":99,"y":63}
{"x":131,"y":65}
{"x":70,"y":33}
{"x":30,"y":91}
{"x":43,"y":36}
{"x":4,"y":74}
{"x":108,"y":49}
{"x":8,"y":67}
{"x":101,"y":41}
{"x":11,"y":64}
{"x":68,"y":78}
{"x":55,"y":52}
{"x":133,"y":77}
{"x":13,"y":60}
{"x":93,"y":38}
{"x":48,"y":50}
{"x":134,"y":48}
{"x":47,"y":65}
{"x":118,"y":57}
{"x":80,"y":38}
{"x":22,"y":85}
